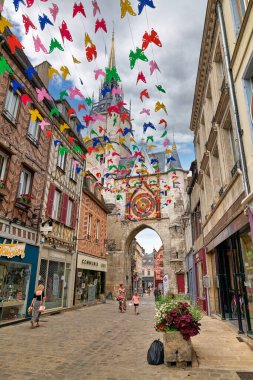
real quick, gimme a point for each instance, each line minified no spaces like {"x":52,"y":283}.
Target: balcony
{"x":204,"y":161}
{"x":222,"y":104}
{"x":212,"y":137}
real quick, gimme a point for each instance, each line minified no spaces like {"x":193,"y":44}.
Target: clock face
{"x":143,"y":205}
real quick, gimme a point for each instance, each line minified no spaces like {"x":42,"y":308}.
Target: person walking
{"x":122,"y":298}
{"x":156,"y":294}
{"x":136,"y":302}
{"x":37,"y":307}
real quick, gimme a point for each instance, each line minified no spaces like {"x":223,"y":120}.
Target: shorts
{"x":136,"y":304}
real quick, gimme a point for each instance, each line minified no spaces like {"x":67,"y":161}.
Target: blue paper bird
{"x":56,"y":142}
{"x":153,"y":161}
{"x":107,"y":175}
{"x":79,"y":127}
{"x":16,"y":85}
{"x":30,"y":71}
{"x":170,"y":159}
{"x":106,"y":139}
{"x":96,"y":141}
{"x":127,"y":204}
{"x":148,"y":125}
{"x":142,"y":4}
{"x":127,"y":130}
{"x":16,"y":4}
{"x":78,"y":169}
{"x":105,"y":90}
{"x":43,"y":20}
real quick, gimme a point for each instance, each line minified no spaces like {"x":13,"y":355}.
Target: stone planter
{"x":177,"y":350}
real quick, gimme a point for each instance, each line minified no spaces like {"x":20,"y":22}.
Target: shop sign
{"x":91,"y":263}
{"x":12,"y":250}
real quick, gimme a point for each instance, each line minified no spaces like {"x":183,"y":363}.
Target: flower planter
{"x":177,"y":350}
{"x":20,"y":203}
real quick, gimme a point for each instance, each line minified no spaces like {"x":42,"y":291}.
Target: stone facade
{"x":158,"y":268}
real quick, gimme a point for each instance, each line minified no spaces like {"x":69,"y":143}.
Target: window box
{"x":24,"y":201}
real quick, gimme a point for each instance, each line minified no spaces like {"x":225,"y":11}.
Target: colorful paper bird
{"x":43,"y":94}
{"x":91,"y":53}
{"x":160,"y":88}
{"x":160,"y":106}
{"x":152,"y":147}
{"x":150,"y":138}
{"x":73,"y":92}
{"x":78,"y":8}
{"x":79,"y":127}
{"x":100,"y":24}
{"x":43,"y":124}
{"x":16,"y":4}
{"x":63,"y":127}
{"x":162,"y":121}
{"x":54,"y":44}
{"x":75,"y":60}
{"x":38,"y":45}
{"x":124,"y":116}
{"x":146,"y":111}
{"x":35,"y":114}
{"x":30,"y":72}
{"x":98,"y":73}
{"x":112,"y":74}
{"x":164,"y":134}
{"x":87,"y":119}
{"x":44,"y":20}
{"x":54,"y":111}
{"x":48,"y":133}
{"x":65,"y":33}
{"x":143,"y":3}
{"x":150,"y":38}
{"x":145,"y":94}
{"x":4,"y":23}
{"x":51,"y":71}
{"x":65,"y":72}
{"x":29,"y":3}
{"x":14,"y":43}
{"x":27,"y":23}
{"x":153,"y":66}
{"x":25,"y":99}
{"x":98,"y":117}
{"x":166,"y":142}
{"x":120,"y":130}
{"x":116,"y":91}
{"x":148,"y":125}
{"x":141,"y":77}
{"x":105,"y":90}
{"x":71,"y":111}
{"x":96,"y":8}
{"x":16,"y":85}
{"x":127,"y":130}
{"x":134,"y":56}
{"x":88,"y":101}
{"x":87,"y":40}
{"x":81,"y":106}
{"x":169,"y":159}
{"x":54,"y":11}
{"x":126,"y":7}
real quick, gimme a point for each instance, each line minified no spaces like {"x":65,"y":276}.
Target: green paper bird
{"x":156,"y":167}
{"x":113,"y":167}
{"x":98,"y":156}
{"x":131,"y":162}
{"x":88,"y":101}
{"x":92,"y":132}
{"x":54,"y":111}
{"x":62,"y":150}
{"x":150,"y":138}
{"x":164,"y":134}
{"x":54,"y":44}
{"x":4,"y":66}
{"x":138,"y":54}
{"x":122,"y":167}
{"x":63,"y":93}
{"x":118,"y":197}
{"x":77,"y":149}
{"x":136,"y":183}
{"x":112,"y":74}
{"x":172,"y":170}
{"x":160,"y":88}
{"x":135,"y":147}
{"x":114,"y":121}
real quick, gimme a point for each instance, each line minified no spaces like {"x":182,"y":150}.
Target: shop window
{"x":247,"y":251}
{"x":56,"y":204}
{"x":3,"y":166}
{"x":11,"y":104}
{"x":14,"y":285}
{"x":200,"y":279}
{"x":54,"y":282}
{"x":61,"y":161}
{"x":69,"y":213}
{"x":33,"y":130}
{"x":73,"y":173}
{"x":89,"y":226}
{"x":25,"y":182}
{"x":97,"y":231}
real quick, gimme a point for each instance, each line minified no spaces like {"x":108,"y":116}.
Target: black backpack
{"x":155,"y":355}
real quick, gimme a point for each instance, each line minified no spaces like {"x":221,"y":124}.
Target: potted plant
{"x":24,"y":201}
{"x":179,"y":321}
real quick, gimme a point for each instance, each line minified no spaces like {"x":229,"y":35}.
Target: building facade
{"x":92,"y":239}
{"x":158,"y":268}
{"x":137,"y":252}
{"x":148,"y":278}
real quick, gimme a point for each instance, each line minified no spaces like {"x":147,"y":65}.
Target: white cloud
{"x":149,"y":240}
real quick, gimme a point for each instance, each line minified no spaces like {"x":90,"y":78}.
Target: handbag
{"x":30,"y":310}
{"x":42,"y":308}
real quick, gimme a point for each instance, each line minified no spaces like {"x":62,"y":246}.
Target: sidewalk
{"x":99,"y":343}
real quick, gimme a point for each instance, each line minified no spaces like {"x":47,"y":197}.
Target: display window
{"x":55,"y":277}
{"x":14,"y":287}
{"x":89,"y":285}
{"x":247,"y":251}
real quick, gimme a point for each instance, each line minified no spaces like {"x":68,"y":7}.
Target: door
{"x":180,"y":283}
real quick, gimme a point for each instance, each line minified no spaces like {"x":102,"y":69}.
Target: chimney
{"x":42,"y":70}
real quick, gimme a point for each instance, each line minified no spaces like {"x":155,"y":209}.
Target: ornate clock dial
{"x":143,"y":205}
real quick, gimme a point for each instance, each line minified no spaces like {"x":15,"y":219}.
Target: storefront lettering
{"x":12,"y":250}
{"x":88,"y":262}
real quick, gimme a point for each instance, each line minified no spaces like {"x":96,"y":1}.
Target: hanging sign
{"x":12,"y":250}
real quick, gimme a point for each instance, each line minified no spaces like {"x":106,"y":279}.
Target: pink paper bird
{"x":98,"y":73}
{"x":95,"y":7}
{"x":78,"y":8}
{"x":116,"y":91}
{"x":28,"y":23}
{"x":65,"y":33}
{"x":100,"y":24}
{"x":43,"y":124}
{"x":153,"y":66}
{"x":166,"y":142}
{"x":75,"y":163}
{"x":38,"y":45}
{"x":42,"y":94}
{"x":54,"y":11}
{"x":146,"y":111}
{"x":99,"y":117}
{"x":75,"y":92}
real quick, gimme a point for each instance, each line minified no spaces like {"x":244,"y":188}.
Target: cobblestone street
{"x":101,"y":344}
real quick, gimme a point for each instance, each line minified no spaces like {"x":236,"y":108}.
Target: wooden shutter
{"x":64,"y":208}
{"x":50,"y":200}
{"x":74,"y":215}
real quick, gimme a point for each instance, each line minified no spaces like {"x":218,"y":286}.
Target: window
{"x":73,"y":173}
{"x":61,"y":162}
{"x":97,"y":230}
{"x":25,"y":182}
{"x":56,"y":204}
{"x":89,"y":226}
{"x":196,"y":222}
{"x":69,"y":213}
{"x":3,"y":164}
{"x":33,"y":130}
{"x":148,"y":272}
{"x":11,"y":104}
{"x":239,"y":8}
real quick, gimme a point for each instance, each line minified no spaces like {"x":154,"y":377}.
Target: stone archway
{"x":121,"y":234}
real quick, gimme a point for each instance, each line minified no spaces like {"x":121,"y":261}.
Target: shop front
{"x":90,"y":278}
{"x":57,"y":275}
{"x":18,"y":268}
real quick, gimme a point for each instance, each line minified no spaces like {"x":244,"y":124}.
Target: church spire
{"x":112,"y":60}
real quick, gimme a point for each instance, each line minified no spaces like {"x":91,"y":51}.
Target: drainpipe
{"x":233,"y":98}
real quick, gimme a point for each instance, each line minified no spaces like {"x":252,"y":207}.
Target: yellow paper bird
{"x":35,"y":115}
{"x":109,"y":146}
{"x":122,"y":140}
{"x":65,"y":72}
{"x":159,"y":106}
{"x":168,"y":151}
{"x":52,"y":71}
{"x":63,"y":127}
{"x":151,"y":147}
{"x":4,"y":23}
{"x":125,"y":7}
{"x":132,"y":139}
{"x":75,"y":60}
{"x":87,"y":40}
{"x":86,"y":138}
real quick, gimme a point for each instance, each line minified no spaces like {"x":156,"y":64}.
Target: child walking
{"x":136,"y":302}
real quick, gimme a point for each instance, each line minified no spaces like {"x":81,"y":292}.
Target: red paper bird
{"x":111,"y":161}
{"x":162,"y":121}
{"x":141,"y":77}
{"x":14,"y":43}
{"x":78,"y":9}
{"x":115,"y":154}
{"x":87,"y":119}
{"x":71,"y":111}
{"x":121,"y":104}
{"x":144,"y":93}
{"x":81,"y":106}
{"x":91,"y":52}
{"x":120,"y":130}
{"x":65,"y":33}
{"x":48,"y":133}
{"x":124,"y":116}
{"x":71,"y":139}
{"x":138,"y":154}
{"x":29,"y":3}
{"x":148,"y":38}
{"x":101,"y":129}
{"x":28,"y":23}
{"x":100,"y":24}
{"x":25,"y":98}
{"x":114,"y":109}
